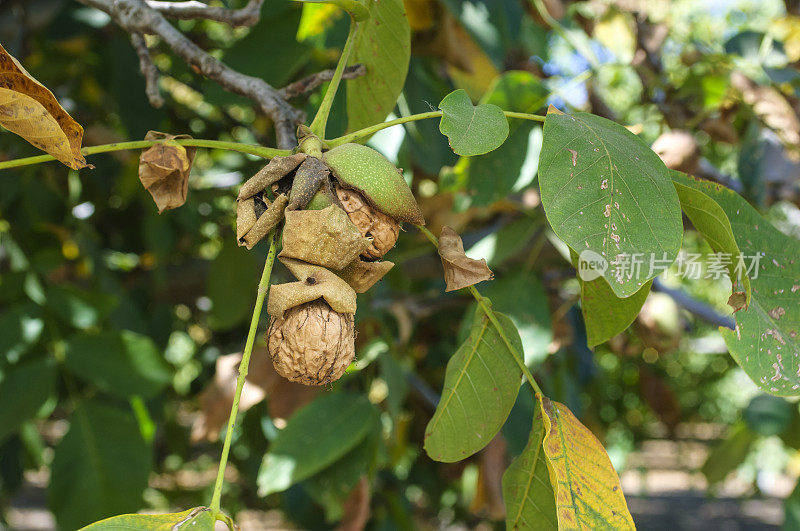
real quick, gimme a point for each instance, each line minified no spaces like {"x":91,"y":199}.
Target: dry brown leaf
{"x":356,"y":508}
{"x":275,"y":170}
{"x":264,"y":222}
{"x":363,"y":275}
{"x":313,"y":282}
{"x":164,"y":170}
{"x":459,"y":270}
{"x":30,"y":110}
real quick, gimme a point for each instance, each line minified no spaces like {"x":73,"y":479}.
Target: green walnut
{"x":363,"y":169}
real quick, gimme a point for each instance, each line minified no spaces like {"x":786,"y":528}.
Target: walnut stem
{"x":263,"y":287}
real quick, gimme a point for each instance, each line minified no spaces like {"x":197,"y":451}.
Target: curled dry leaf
{"x":459,"y":270}
{"x":307,"y":180}
{"x":324,"y":237}
{"x":273,"y":172}
{"x":252,"y":226}
{"x":313,"y":282}
{"x":363,"y":275}
{"x":28,"y":109}
{"x":164,"y":170}
{"x":312,"y":344}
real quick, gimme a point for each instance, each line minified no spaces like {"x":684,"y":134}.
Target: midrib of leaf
{"x":461,"y":374}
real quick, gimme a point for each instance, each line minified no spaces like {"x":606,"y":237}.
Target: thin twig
{"x":245,"y":16}
{"x":311,"y":82}
{"x":135,"y":16}
{"x":149,"y":70}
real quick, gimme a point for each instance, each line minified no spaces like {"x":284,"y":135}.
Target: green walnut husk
{"x":313,"y":282}
{"x":273,"y":172}
{"x":361,"y":275}
{"x":363,"y":169}
{"x":324,"y":237}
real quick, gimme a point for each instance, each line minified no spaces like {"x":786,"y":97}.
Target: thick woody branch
{"x":311,"y":82}
{"x":192,"y":9}
{"x":135,"y":16}
{"x":149,"y":70}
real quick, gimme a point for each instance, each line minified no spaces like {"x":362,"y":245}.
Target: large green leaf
{"x":197,"y":519}
{"x":712,"y":222}
{"x":726,"y":456}
{"x":480,"y":387}
{"x":20,"y":328}
{"x":24,"y":388}
{"x":79,"y":308}
{"x":231,"y":278}
{"x":122,"y":363}
{"x":496,"y":174}
{"x":472,"y":130}
{"x":768,"y":415}
{"x":606,"y":315}
{"x":527,"y":492}
{"x":765,"y":342}
{"x":383,"y":45}
{"x":604,"y":191}
{"x":314,"y":438}
{"x":100,"y":467}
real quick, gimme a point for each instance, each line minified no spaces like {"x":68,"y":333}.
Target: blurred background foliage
{"x":119,"y":328}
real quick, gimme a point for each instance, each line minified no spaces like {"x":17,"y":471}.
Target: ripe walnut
{"x":380,"y":228}
{"x":311,"y":344}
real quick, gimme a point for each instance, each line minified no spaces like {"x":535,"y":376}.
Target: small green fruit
{"x":367,"y":171}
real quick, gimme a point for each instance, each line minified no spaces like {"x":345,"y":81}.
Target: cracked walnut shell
{"x":311,"y":344}
{"x":380,"y":228}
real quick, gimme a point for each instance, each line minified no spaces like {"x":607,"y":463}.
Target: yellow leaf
{"x":28,"y":109}
{"x":588,"y":494}
{"x":316,"y":19}
{"x":421,"y":14}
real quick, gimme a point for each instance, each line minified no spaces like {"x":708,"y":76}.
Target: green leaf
{"x":607,"y":194}
{"x":471,"y":130}
{"x":480,"y":387}
{"x":20,"y":329}
{"x":199,"y":519}
{"x":604,"y":314}
{"x":712,"y":222}
{"x":231,"y":280}
{"x":527,"y":492}
{"x":121,"y":363}
{"x":726,"y":456}
{"x":383,"y":46}
{"x":81,"y":309}
{"x":496,"y":174}
{"x":768,"y":415}
{"x":100,"y":467}
{"x":792,"y":510}
{"x":765,"y":343}
{"x":314,"y":438}
{"x":24,"y":388}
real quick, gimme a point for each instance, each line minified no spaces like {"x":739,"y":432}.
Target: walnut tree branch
{"x":135,"y":16}
{"x":307,"y":84}
{"x":191,"y":9}
{"x":148,"y":69}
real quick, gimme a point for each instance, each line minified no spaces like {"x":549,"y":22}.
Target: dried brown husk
{"x":381,"y":229}
{"x":273,"y":172}
{"x":164,"y":170}
{"x":265,"y":222}
{"x":363,"y":275}
{"x":313,"y":282}
{"x":460,"y":271}
{"x":324,"y":237}
{"x":312,"y":344}
{"x":306,"y":182}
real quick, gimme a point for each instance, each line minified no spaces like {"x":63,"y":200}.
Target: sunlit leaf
{"x":713,"y":223}
{"x":480,"y":387}
{"x":472,"y":130}
{"x":199,"y":519}
{"x":588,"y":494}
{"x":605,"y":192}
{"x":24,"y":388}
{"x":383,"y":46}
{"x":529,"y":497}
{"x":606,"y":315}
{"x":28,"y":109}
{"x":338,"y":423}
{"x":20,"y":328}
{"x":100,"y":467}
{"x":765,"y":342}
